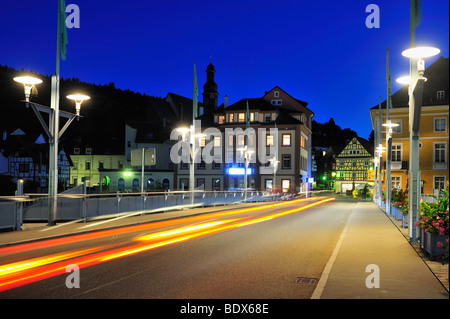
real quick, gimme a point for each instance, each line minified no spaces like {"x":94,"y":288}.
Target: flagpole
{"x":54,"y":139}
{"x":192,"y":137}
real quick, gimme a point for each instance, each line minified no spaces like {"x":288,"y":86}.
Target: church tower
{"x":210,"y":94}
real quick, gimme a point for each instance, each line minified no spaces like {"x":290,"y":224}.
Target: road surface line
{"x":326,"y":272}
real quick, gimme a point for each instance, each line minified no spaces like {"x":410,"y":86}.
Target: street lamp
{"x":247,"y":155}
{"x":28,"y":82}
{"x":389,"y":125}
{"x":274,"y":163}
{"x":193,"y":150}
{"x":78,"y":98}
{"x":416,"y":81}
{"x":53,"y":133}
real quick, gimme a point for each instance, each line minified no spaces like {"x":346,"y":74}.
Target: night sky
{"x":317,"y":51}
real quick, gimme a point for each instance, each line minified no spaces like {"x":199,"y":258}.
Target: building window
{"x":440,"y":124}
{"x":440,"y":95}
{"x":286,"y":163}
{"x":184,"y":184}
{"x":302,"y":141}
{"x":267,"y":117}
{"x":252,"y":117}
{"x":150,"y":184}
{"x":439,"y":153}
{"x":75,"y":165}
{"x":396,"y":182}
{"x":396,"y":153}
{"x":221,"y":119}
{"x":100,"y":165}
{"x":201,"y":183}
{"x":276,"y":94}
{"x":216,"y":141}
{"x":241,"y":117}
{"x":231,"y":117}
{"x":201,"y":165}
{"x":87,"y":165}
{"x":240,"y":140}
{"x":269,"y":183}
{"x":286,"y":140}
{"x":216,"y":165}
{"x":285,"y":185}
{"x":269,"y":140}
{"x":202,"y":141}
{"x":165,"y":184}
{"x":439,"y":182}
{"x":397,"y":129}
{"x":216,"y":184}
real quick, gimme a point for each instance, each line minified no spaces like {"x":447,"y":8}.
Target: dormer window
{"x":440,"y":95}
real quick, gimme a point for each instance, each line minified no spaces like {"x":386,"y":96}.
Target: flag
{"x":195,"y":99}
{"x":415,"y":13}
{"x":63,"y":28}
{"x":388,"y":80}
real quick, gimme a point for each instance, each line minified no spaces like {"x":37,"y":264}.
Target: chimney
{"x":226,"y":100}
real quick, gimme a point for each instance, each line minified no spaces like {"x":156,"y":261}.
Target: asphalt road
{"x":240,"y":255}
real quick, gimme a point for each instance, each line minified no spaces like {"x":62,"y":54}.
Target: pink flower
{"x":439,"y":244}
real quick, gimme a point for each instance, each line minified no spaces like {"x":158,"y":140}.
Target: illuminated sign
{"x":311,"y":180}
{"x":239,"y":171}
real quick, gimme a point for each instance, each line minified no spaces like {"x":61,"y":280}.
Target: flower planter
{"x":405,"y":220}
{"x":422,"y":238}
{"x":430,"y":244}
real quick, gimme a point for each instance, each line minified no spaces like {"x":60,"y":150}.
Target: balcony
{"x":398,"y":165}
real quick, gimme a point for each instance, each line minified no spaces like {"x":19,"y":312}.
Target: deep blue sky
{"x":317,"y":51}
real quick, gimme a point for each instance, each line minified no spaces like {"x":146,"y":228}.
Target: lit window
{"x":302,"y":141}
{"x":252,"y":117}
{"x":241,"y":117}
{"x":286,"y":139}
{"x":240,"y":140}
{"x":202,"y":141}
{"x":269,"y":140}
{"x":221,"y":119}
{"x":231,"y":117}
{"x":216,"y":141}
{"x":285,"y":184}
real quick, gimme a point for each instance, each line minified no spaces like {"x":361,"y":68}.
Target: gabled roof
{"x":437,"y":75}
{"x":364,"y":143}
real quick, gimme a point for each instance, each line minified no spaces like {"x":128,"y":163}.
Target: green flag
{"x":195,"y":99}
{"x":388,"y":80}
{"x":63,"y":29}
{"x":415,"y":13}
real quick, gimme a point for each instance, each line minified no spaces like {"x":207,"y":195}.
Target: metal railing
{"x":77,"y":205}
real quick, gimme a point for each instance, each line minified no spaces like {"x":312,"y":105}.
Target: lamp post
{"x":416,"y":81}
{"x":247,"y":155}
{"x":388,"y":184}
{"x":193,"y":151}
{"x":379,"y":150}
{"x":53,"y":133}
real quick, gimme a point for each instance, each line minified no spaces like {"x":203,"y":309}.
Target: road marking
{"x":326,"y":272}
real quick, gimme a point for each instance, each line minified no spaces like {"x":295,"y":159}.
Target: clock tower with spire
{"x":210,"y":94}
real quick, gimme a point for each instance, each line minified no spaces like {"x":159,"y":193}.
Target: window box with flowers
{"x":433,"y":225}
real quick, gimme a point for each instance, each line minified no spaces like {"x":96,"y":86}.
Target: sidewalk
{"x":370,"y":238}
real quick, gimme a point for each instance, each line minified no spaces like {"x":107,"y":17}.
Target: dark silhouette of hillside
{"x":102,"y":125}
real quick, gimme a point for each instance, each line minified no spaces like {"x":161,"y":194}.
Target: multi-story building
{"x":434,"y":131}
{"x":25,"y":155}
{"x":87,"y":165}
{"x":281,"y":131}
{"x":352,"y":165}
